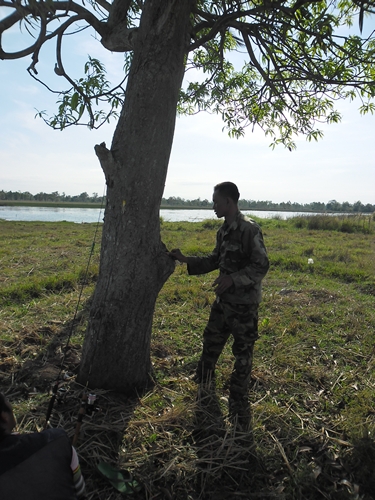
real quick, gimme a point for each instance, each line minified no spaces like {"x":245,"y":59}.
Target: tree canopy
{"x":278,"y":64}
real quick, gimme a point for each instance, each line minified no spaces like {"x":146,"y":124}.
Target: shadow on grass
{"x":43,"y":359}
{"x":360,"y":463}
{"x":226,"y":457}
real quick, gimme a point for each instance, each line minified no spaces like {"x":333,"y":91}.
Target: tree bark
{"x":134,"y":264}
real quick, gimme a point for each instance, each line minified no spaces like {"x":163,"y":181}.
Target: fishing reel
{"x":88,"y":408}
{"x":91,"y":406}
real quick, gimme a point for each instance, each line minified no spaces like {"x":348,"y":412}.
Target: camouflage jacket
{"x":240,"y":252}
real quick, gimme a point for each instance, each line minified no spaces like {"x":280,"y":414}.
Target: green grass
{"x":344,"y":223}
{"x":38,"y":258}
{"x":312,"y":396}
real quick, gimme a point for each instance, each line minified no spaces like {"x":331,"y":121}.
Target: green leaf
{"x":74,"y":101}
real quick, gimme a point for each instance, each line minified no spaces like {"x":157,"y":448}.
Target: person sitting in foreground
{"x":39,"y":465}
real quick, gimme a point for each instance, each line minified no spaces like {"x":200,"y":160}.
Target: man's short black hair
{"x":228,"y":189}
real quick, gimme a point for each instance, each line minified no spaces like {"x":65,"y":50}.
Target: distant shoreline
{"x":49,"y":204}
{"x":77,"y":204}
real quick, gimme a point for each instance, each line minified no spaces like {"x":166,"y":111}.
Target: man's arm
{"x":197,"y":265}
{"x":176,"y":254}
{"x":206,"y":264}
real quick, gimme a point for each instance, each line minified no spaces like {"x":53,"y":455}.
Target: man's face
{"x":221,"y":204}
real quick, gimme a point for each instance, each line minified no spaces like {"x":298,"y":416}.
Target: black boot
{"x":240,"y":411}
{"x":204,"y":375}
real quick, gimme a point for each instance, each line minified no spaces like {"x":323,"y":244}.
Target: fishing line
{"x":65,"y":350}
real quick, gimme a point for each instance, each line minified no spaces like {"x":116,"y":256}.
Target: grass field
{"x":311,"y":432}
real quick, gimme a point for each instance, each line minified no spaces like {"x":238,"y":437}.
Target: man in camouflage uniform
{"x":241,"y":257}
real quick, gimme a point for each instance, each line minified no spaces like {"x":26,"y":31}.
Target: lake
{"x":80,"y":215}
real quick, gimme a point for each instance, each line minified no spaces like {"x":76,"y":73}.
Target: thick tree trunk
{"x":134,"y":264}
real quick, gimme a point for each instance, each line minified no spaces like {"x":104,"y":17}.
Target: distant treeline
{"x":177,"y":202}
{"x":316,"y":206}
{"x":50,"y":197}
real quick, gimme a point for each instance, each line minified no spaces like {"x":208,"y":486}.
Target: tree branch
{"x":59,"y":70}
{"x":119,"y":38}
{"x":253,"y":59}
{"x":39,"y":43}
{"x":107,"y":162}
{"x":46,"y":17}
{"x":48,"y":11}
{"x":119,"y":12}
{"x":105,"y":5}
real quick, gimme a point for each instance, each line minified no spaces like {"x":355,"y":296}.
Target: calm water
{"x":79,"y":215}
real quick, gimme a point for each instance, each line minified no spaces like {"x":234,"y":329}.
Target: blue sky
{"x":35,"y":158}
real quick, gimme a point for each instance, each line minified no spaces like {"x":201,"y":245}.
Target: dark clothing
{"x":31,"y":464}
{"x":240,"y":320}
{"x":239,"y":252}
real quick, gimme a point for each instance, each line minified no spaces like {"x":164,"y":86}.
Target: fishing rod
{"x":59,"y":382}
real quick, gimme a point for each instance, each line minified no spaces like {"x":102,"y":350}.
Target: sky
{"x":35,"y":158}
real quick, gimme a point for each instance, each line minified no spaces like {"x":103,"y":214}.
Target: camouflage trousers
{"x":240,"y":320}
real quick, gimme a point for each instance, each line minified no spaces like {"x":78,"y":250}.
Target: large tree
{"x":279,"y":64}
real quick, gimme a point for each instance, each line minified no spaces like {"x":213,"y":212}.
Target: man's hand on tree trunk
{"x":176,"y":254}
